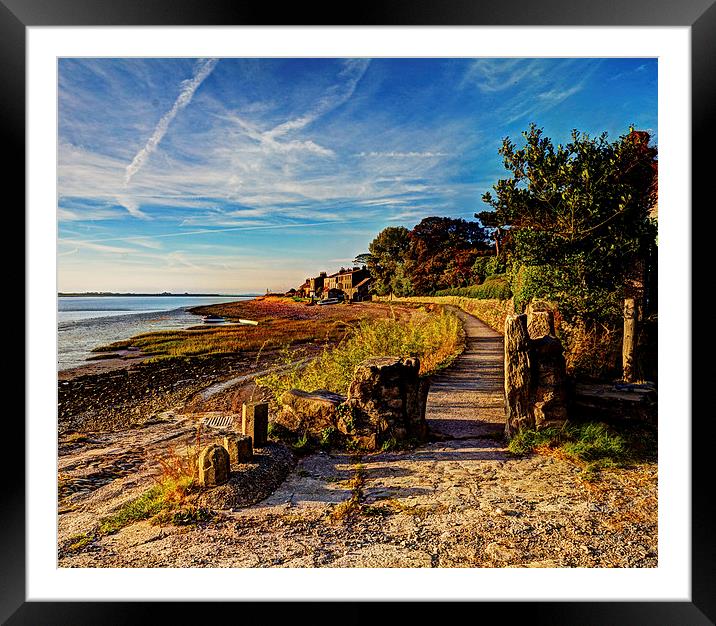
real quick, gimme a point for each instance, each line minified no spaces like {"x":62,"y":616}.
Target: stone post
{"x":214,"y":466}
{"x":254,"y":423}
{"x":629,"y":342}
{"x":518,"y":414}
{"x":540,"y":323}
{"x":549,"y":382}
{"x":239,"y":449}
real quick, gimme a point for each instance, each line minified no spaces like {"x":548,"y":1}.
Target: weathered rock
{"x":386,"y":399}
{"x":239,"y":448}
{"x":214,"y":466}
{"x":311,"y":412}
{"x":540,"y":323}
{"x":254,"y":423}
{"x":549,"y":382}
{"x":518,"y":376}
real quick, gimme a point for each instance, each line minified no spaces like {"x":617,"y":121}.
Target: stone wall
{"x":492,"y":312}
{"x":386,"y":400}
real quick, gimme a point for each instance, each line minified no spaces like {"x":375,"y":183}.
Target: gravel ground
{"x":463,"y":503}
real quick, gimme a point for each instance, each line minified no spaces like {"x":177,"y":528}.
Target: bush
{"x":488,"y":266}
{"x":528,"y":283}
{"x":494,"y":288}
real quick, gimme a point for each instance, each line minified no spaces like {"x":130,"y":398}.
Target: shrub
{"x":494,"y":288}
{"x":488,"y":266}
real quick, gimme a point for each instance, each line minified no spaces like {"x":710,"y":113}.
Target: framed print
{"x":359,"y":313}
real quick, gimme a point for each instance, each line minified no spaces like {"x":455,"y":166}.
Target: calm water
{"x":83,"y":323}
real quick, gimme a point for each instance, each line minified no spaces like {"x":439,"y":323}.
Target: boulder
{"x":311,"y":412}
{"x":214,"y":466}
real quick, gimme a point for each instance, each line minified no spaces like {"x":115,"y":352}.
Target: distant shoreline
{"x":107,"y":294}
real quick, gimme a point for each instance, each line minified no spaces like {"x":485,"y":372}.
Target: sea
{"x":85,"y":322}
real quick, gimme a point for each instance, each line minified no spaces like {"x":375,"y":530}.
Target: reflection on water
{"x":78,"y":334}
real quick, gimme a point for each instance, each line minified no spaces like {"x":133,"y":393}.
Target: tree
{"x":386,"y":259}
{"x":579,"y":212}
{"x":362,"y":259}
{"x":442,"y":252}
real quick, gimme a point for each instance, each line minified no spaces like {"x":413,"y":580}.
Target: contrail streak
{"x":189,"y":87}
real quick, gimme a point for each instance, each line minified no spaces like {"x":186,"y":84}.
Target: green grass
{"x":593,"y":445}
{"x":160,"y":499}
{"x":436,"y":338}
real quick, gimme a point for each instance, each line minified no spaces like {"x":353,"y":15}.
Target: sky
{"x":240,"y":175}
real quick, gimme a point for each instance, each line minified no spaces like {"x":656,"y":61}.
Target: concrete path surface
{"x":467,"y":399}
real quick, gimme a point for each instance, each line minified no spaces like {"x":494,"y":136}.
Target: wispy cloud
{"x":404,"y":155}
{"x":98,"y":247}
{"x":189,"y":87}
{"x":336,"y":95}
{"x":496,"y":75}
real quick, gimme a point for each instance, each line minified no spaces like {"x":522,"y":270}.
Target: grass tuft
{"x":594,"y":445}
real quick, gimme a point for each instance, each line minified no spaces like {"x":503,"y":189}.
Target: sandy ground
{"x":461,"y":500}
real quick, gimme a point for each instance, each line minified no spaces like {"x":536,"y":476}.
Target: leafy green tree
{"x":362,"y":259}
{"x":386,"y":261}
{"x":579,"y":212}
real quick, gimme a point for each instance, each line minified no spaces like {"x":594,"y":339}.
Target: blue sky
{"x":238,"y":175}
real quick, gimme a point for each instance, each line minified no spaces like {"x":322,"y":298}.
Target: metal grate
{"x":219,"y":421}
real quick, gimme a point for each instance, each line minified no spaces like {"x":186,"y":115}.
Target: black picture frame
{"x":700,"y":15}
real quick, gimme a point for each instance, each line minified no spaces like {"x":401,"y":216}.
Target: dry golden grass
{"x":435,"y":338}
{"x":348,"y":509}
{"x":281,"y":321}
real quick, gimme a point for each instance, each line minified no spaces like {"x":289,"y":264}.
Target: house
{"x":352,"y":283}
{"x":302,"y":290}
{"x":315,"y":288}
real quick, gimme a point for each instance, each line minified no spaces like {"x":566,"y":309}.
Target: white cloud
{"x":189,"y":87}
{"x":408,"y":155}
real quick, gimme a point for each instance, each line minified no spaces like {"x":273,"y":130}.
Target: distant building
{"x":302,"y":291}
{"x":315,"y":287}
{"x":351,"y":284}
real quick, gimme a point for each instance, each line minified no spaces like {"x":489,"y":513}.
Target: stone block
{"x":311,"y":412}
{"x":540,"y":323}
{"x":254,"y":423}
{"x":239,"y":448}
{"x":214,"y":464}
{"x":549,"y":382}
